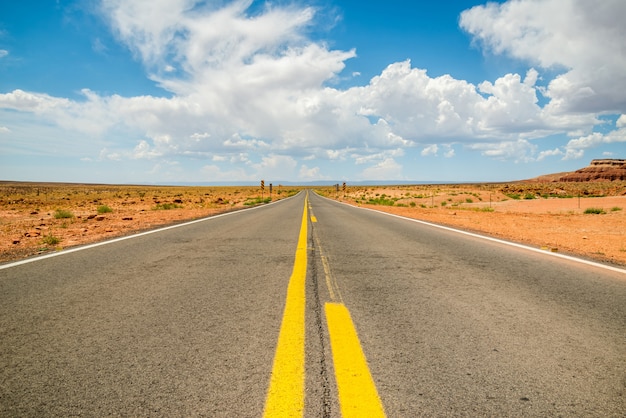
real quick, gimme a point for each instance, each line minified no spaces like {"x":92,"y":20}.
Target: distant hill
{"x":598,"y":170}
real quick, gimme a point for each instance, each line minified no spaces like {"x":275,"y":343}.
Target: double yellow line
{"x":357,"y":392}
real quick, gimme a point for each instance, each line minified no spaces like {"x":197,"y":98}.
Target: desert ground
{"x":586,"y":219}
{"x":36,"y":218}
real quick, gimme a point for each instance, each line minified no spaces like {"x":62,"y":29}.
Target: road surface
{"x":309,"y":307}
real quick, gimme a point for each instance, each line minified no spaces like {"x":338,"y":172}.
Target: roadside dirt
{"x":533,"y":216}
{"x":31,"y":219}
{"x":37,"y":218}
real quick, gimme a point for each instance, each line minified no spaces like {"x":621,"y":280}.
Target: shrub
{"x":382,"y":201}
{"x":257,"y":201}
{"x":615,"y":209}
{"x":51,"y":239}
{"x":63,"y":214}
{"x":594,"y":211}
{"x":104,"y":209}
{"x":166,"y":206}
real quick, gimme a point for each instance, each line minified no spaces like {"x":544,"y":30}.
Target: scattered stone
{"x":31,"y":234}
{"x":178,"y":201}
{"x":91,"y":216}
{"x":128,"y":218}
{"x":16,"y":241}
{"x":100,"y":218}
{"x":34,"y":213}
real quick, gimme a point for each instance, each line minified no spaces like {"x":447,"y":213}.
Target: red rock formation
{"x":599,"y":170}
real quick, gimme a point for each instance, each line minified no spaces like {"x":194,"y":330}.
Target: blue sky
{"x":170,"y":91}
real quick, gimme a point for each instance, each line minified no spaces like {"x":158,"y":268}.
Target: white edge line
{"x":140,"y":234}
{"x":488,"y":238}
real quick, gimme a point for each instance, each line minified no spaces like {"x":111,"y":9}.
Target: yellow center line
{"x":285,"y":396}
{"x":358,"y":396}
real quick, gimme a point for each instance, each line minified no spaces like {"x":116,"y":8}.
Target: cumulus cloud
{"x":3,"y":53}
{"x":387,"y":169}
{"x":575,"y":148}
{"x":516,"y":151}
{"x":585,"y":39}
{"x":250,"y":88}
{"x":430,"y":150}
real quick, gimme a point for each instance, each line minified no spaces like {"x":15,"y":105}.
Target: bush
{"x":51,"y":239}
{"x":104,"y":209}
{"x":382,"y":201}
{"x":594,"y":211}
{"x":63,"y":214}
{"x":166,"y":206}
{"x":257,"y":201}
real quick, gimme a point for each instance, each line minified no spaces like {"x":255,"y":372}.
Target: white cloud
{"x":276,"y":166}
{"x":3,"y":53}
{"x":213,"y":173}
{"x":584,"y":38}
{"x":430,"y":150}
{"x":448,"y":151}
{"x":387,"y":169}
{"x":4,"y":130}
{"x":311,"y":174}
{"x":575,"y":148}
{"x":252,"y":90}
{"x":549,"y":153}
{"x":517,"y":151}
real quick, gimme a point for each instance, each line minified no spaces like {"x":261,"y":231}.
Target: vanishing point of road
{"x":309,"y":307}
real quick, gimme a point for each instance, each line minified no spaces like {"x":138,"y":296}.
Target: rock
{"x":598,"y":170}
{"x":16,"y":241}
{"x":31,"y":234}
{"x":100,"y":218}
{"x":91,"y":216}
{"x":128,"y":218}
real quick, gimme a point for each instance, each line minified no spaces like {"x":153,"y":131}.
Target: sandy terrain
{"x":546,"y":215}
{"x":528,"y":213}
{"x":32,"y":215}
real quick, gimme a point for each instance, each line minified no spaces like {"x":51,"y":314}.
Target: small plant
{"x":51,"y":239}
{"x":104,"y":209}
{"x":412,"y":204}
{"x":257,"y":201}
{"x":382,"y":201}
{"x":166,"y":206}
{"x":529,"y":196}
{"x":616,"y":209}
{"x":63,"y":214}
{"x":468,"y":200}
{"x":594,"y":211}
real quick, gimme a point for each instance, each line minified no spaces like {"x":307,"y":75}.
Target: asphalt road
{"x":186,"y":322}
